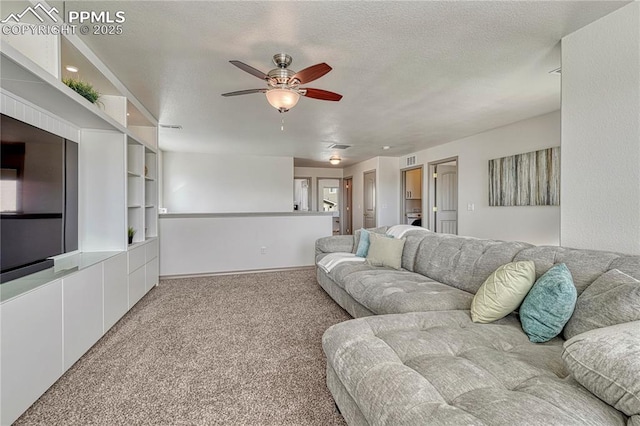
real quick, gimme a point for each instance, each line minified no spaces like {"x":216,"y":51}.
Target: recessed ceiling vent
{"x":411,"y":160}
{"x":339,"y":146}
{"x":171,"y":126}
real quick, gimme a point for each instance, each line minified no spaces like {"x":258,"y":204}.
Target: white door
{"x":446,"y":212}
{"x":370,"y":199}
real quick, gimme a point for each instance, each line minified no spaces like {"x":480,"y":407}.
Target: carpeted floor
{"x":232,"y":350}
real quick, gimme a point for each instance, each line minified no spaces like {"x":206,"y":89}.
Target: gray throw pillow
{"x":606,"y":361}
{"x":613,"y":298}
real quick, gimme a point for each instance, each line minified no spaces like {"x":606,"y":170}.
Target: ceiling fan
{"x":284,"y":91}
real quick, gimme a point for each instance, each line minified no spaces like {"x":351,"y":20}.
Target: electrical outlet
{"x":471,"y":207}
{"x":263,"y":250}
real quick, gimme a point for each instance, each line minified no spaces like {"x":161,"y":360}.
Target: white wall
{"x":201,"y":245}
{"x":535,"y":224}
{"x":208,"y":183}
{"x":387,"y":190}
{"x":601,"y":134}
{"x":357,"y":191}
{"x":388,"y":181}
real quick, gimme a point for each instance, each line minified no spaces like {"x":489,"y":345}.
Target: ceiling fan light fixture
{"x":335,"y":160}
{"x":282,"y":99}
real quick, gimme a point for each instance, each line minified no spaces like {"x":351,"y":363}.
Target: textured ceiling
{"x":413,"y":74}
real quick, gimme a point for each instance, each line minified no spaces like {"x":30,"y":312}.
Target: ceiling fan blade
{"x":251,"y":70}
{"x":244,"y":92}
{"x":314,"y":72}
{"x":324,"y":95}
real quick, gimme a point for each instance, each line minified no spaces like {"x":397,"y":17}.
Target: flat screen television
{"x":38,"y":198}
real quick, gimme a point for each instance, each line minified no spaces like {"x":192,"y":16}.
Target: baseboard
{"x":250,"y":271}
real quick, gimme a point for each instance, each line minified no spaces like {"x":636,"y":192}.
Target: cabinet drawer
{"x":137,"y":258}
{"x":151,"y":249}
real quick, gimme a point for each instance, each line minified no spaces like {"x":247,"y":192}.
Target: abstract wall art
{"x":530,"y":179}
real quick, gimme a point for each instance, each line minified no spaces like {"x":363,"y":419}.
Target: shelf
{"x":136,"y":206}
{"x":23,"y":77}
{"x":131,"y":174}
{"x":149,"y":179}
{"x":150,"y":206}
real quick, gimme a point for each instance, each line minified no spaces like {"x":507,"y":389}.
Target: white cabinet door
{"x":83,"y":314}
{"x":116,"y":290}
{"x":151,"y":274}
{"x":136,"y":286}
{"x":31,"y":349}
{"x":413,"y":184}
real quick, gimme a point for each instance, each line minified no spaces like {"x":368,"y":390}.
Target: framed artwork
{"x":529,"y":179}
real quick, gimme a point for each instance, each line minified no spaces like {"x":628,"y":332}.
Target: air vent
{"x":411,"y":161}
{"x":338,"y":146}
{"x":171,"y":126}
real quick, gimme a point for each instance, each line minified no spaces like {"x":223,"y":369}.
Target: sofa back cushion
{"x":411,"y":246}
{"x":585,"y":265}
{"x":614,"y":298}
{"x":463,"y":262}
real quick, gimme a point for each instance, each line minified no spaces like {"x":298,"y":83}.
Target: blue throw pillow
{"x":549,"y":304}
{"x":363,"y":245}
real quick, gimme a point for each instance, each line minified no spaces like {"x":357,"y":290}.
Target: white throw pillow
{"x":503,"y":291}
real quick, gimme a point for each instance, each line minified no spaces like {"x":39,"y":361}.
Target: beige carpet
{"x":232,"y":350}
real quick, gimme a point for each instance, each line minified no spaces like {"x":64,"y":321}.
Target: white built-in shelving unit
{"x":51,"y":318}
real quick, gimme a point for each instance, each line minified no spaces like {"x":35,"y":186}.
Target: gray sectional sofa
{"x":413,"y":356}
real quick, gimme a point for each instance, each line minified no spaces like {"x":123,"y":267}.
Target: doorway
{"x":347,"y":211}
{"x":370,"y":199}
{"x":301,"y":194}
{"x":443,"y":196}
{"x":329,"y":200}
{"x":412,"y":198}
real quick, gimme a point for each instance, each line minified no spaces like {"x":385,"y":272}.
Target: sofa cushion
{"x":385,"y":251}
{"x":462,"y":262}
{"x":503,"y":291}
{"x":333,"y":244}
{"x":585,"y":265}
{"x":391,"y":292}
{"x":440,"y":368}
{"x":549,"y":304}
{"x":606,"y":361}
{"x":411,"y":246}
{"x":612,"y":299}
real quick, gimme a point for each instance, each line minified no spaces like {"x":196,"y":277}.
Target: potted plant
{"x":84,"y":89}
{"x":130,"y":233}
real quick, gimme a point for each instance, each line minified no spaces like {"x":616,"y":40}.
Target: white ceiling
{"x":413,"y":74}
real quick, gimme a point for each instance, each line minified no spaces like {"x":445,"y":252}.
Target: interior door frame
{"x":375,"y":201}
{"x":317,"y":196}
{"x":403,"y":191}
{"x":344,"y":205}
{"x":310,"y":180}
{"x":432,"y":191}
